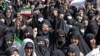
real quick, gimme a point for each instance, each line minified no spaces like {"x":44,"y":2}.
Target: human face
{"x":61,"y":16}
{"x":71,"y":53}
{"x":81,"y":12}
{"x":61,"y":37}
{"x":41,"y":42}
{"x":28,"y":51}
{"x":45,"y":28}
{"x":93,"y":43}
{"x":8,"y":13}
{"x":55,"y":13}
{"x":85,"y":22}
{"x":9,"y":43}
{"x":74,"y":41}
{"x":15,"y":53}
{"x":19,"y":17}
{"x":79,"y":18}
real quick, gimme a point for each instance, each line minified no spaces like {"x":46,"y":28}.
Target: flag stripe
{"x":16,"y":39}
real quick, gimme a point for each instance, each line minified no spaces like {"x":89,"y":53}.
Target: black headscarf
{"x":85,"y":17}
{"x":45,"y":21}
{"x":38,"y":19}
{"x":82,"y":44}
{"x":81,"y":28}
{"x":61,"y":40}
{"x":27,"y":33}
{"x":11,"y":30}
{"x":53,"y":19}
{"x":70,"y":11}
{"x":8,"y":37}
{"x":2,"y":30}
{"x":8,"y":20}
{"x":72,"y":29}
{"x":10,"y":50}
{"x":41,"y":49}
{"x":93,"y":27}
{"x":57,"y":52}
{"x":62,"y":25}
{"x":75,"y":49}
{"x":88,"y":37}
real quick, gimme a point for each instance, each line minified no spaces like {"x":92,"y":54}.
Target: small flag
{"x":17,"y":42}
{"x":25,"y":12}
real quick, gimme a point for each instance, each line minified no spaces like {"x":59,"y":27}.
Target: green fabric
{"x":26,"y":9}
{"x":16,"y":38}
{"x":4,"y":5}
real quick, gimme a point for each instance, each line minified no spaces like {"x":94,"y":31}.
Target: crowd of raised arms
{"x":49,"y":28}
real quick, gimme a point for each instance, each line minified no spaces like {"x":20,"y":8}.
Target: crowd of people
{"x":53,"y":28}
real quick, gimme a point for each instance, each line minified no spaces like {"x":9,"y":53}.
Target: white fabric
{"x":78,"y":3}
{"x":94,"y":52}
{"x":22,"y":52}
{"x":2,"y":20}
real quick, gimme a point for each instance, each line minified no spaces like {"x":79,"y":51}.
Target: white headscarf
{"x":22,"y":52}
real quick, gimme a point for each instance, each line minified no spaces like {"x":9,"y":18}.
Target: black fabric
{"x":35,"y":22}
{"x":89,"y":0}
{"x":75,"y":49}
{"x":8,"y":20}
{"x":53,"y":19}
{"x":11,"y":30}
{"x":97,"y":36}
{"x":29,"y":45}
{"x":61,"y":40}
{"x":93,"y":27}
{"x":46,"y":22}
{"x":10,"y":50}
{"x":49,"y":36}
{"x":2,"y":32}
{"x":27,"y":33}
{"x":82,"y":44}
{"x":57,"y":52}
{"x":62,"y":25}
{"x":41,"y":49}
{"x":74,"y":28}
{"x":88,"y":37}
{"x":6,"y":38}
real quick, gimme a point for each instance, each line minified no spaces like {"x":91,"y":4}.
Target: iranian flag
{"x":25,"y":12}
{"x":17,"y":42}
